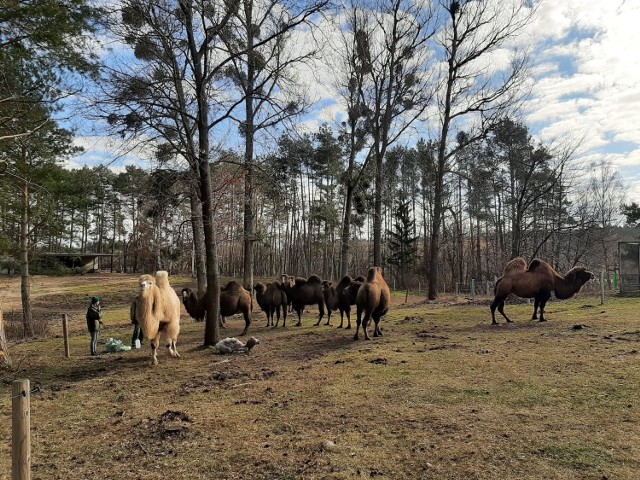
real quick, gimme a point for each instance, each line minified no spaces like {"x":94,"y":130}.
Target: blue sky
{"x":585,"y":88}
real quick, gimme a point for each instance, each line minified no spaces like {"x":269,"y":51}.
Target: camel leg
{"x":268,"y":314}
{"x":277,"y":312}
{"x":358,"y":322}
{"x":536,"y":303}
{"x":171,"y":347}
{"x":365,"y":322}
{"x":299,"y":312}
{"x":376,"y":320}
{"x":329,"y":318}
{"x":284,"y":316}
{"x":247,"y":322}
{"x":544,"y":297}
{"x":376,"y":328}
{"x":341,"y":318}
{"x":348,"y":327}
{"x":493,"y":311}
{"x":501,"y":310}
{"x":321,"y":308}
{"x":154,"y":351}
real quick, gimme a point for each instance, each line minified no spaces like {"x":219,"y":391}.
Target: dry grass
{"x":442,"y":395}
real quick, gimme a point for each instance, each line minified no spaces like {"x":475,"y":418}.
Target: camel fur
{"x":340,"y":297}
{"x":303,"y":292}
{"x":373,"y":299}
{"x":536,"y":281}
{"x":195,"y":307}
{"x":234,"y":298}
{"x":272,"y":298}
{"x":233,"y":345}
{"x":158,"y":311}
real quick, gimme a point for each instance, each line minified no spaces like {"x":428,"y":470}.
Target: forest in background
{"x":456,"y":205}
{"x":503,"y":185}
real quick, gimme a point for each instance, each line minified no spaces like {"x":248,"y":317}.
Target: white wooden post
{"x":602,"y":287}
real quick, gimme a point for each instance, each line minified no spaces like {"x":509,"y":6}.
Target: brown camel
{"x":234,"y":298}
{"x":341,"y":296}
{"x":537,"y":281}
{"x":272,"y":298}
{"x":373,"y":299}
{"x":305,"y":291}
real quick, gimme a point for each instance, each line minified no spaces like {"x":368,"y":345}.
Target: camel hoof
{"x":348,"y":327}
{"x":542,"y":320}
{"x":509,"y":321}
{"x":298,"y":324}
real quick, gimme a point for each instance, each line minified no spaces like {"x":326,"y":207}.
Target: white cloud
{"x":587,"y":86}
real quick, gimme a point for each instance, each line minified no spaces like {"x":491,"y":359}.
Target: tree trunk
{"x":377,"y":214}
{"x":198,"y":241}
{"x":248,"y":153}
{"x":25,"y":289}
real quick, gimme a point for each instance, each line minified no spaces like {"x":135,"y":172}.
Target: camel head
{"x":145,"y":282}
{"x":186,"y":293}
{"x":578,"y":276}
{"x":259,"y":288}
{"x":326,"y":285}
{"x":252,"y":342}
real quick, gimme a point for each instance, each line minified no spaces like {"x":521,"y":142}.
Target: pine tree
{"x":403,"y":244}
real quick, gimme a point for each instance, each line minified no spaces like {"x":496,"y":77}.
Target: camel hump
{"x":344,"y":282}
{"x":162,"y":278}
{"x":299,"y":281}
{"x":535,"y":264}
{"x":359,"y":278}
{"x":373,"y":273}
{"x":260,"y":286}
{"x":232,"y":287}
{"x":314,"y":279}
{"x":518,"y":264}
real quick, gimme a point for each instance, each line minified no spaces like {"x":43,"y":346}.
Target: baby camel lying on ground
{"x":233,"y":345}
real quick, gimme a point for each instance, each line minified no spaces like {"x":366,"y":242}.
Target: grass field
{"x":442,"y":395}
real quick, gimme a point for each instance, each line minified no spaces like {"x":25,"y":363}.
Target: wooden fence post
{"x":602,"y":287}
{"x":21,"y":430}
{"x":473,"y":289}
{"x":65,"y":334}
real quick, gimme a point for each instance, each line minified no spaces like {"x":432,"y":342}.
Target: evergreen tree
{"x":403,"y":244}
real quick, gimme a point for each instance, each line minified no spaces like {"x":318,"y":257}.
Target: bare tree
{"x":262,"y":72}
{"x":472,"y":86}
{"x":390,"y":69}
{"x":181,"y":88}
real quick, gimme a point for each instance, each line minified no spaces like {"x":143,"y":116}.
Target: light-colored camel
{"x":158,"y":311}
{"x":373,"y":299}
{"x":536,"y":281}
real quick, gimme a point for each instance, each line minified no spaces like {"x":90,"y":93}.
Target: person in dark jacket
{"x":138,"y":336}
{"x":94,"y":323}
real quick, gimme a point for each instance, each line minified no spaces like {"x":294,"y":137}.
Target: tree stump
{"x":4,"y":353}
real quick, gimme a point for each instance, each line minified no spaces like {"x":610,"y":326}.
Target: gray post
{"x":65,"y":334}
{"x":602,"y":287}
{"x":21,"y":428}
{"x":473,"y":289}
